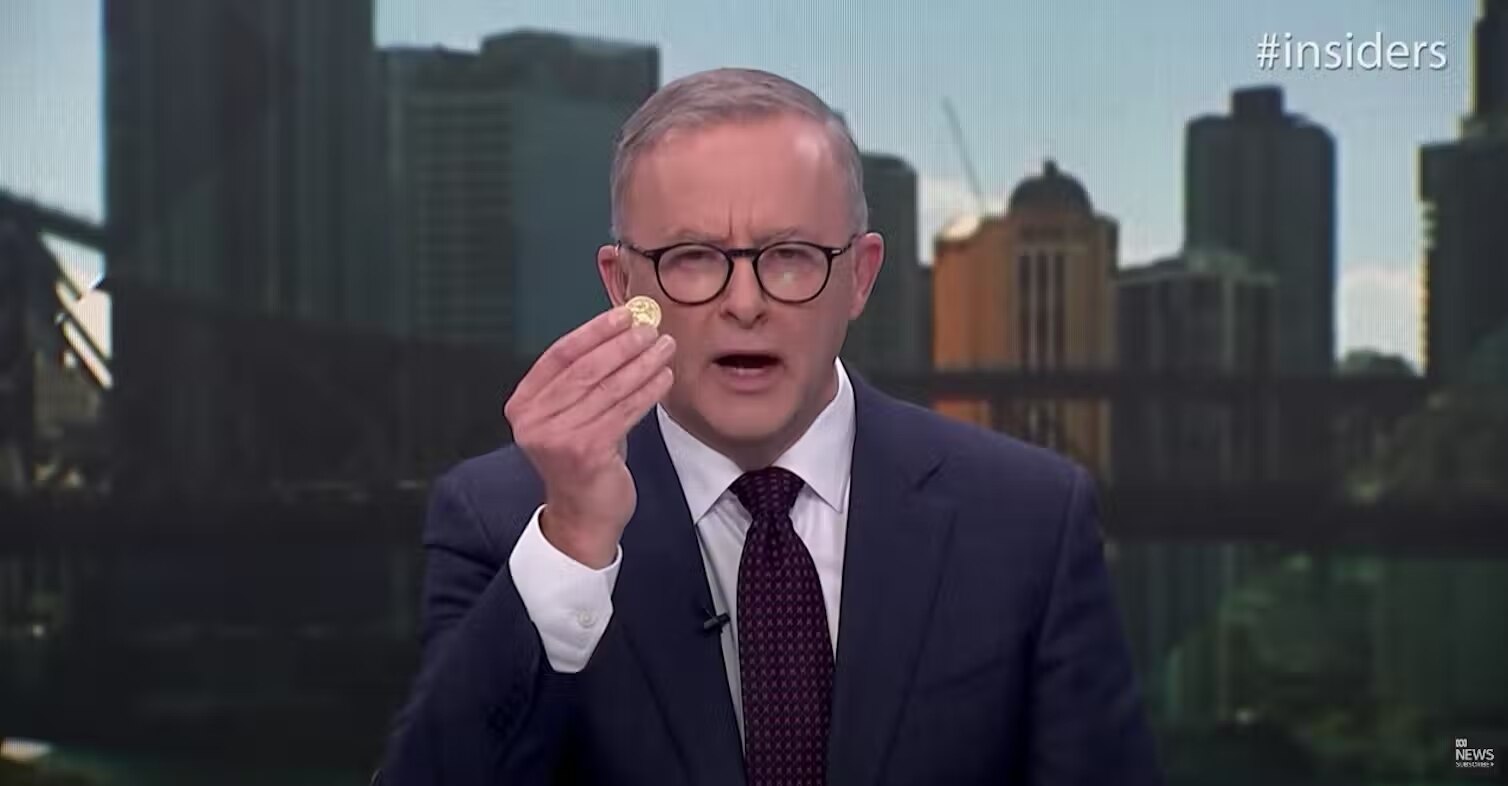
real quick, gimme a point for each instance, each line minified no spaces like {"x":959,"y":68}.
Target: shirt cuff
{"x":568,"y":602}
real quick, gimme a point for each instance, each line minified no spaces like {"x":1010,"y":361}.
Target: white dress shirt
{"x":570,"y":603}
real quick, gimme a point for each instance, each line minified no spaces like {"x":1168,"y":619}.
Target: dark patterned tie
{"x":785,"y":654}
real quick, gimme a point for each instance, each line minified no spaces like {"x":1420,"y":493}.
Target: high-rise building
{"x":1440,"y":659}
{"x":887,"y":336}
{"x":1201,"y":313}
{"x":1464,"y":185}
{"x":498,"y":163}
{"x":240,"y":185}
{"x":239,"y":155}
{"x":1490,"y":101}
{"x":445,"y":133}
{"x":1031,"y":290}
{"x":1261,"y":182}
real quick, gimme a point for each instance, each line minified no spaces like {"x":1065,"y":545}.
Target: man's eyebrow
{"x":686,"y":235}
{"x":778,"y":234}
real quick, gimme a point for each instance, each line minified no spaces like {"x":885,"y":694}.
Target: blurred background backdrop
{"x":269,"y":266}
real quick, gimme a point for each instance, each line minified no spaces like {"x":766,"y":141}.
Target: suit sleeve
{"x":485,"y":707}
{"x":1088,"y":723}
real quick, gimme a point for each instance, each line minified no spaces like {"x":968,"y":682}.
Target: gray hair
{"x":728,"y":95}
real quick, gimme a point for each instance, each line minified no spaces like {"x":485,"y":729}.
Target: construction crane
{"x":963,"y":153}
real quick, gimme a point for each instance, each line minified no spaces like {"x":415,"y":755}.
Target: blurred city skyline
{"x":338,"y":228}
{"x":889,"y":77}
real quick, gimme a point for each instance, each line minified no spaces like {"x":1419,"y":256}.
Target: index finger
{"x":568,"y":348}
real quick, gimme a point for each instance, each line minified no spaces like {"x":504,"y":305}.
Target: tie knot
{"x":768,"y":493}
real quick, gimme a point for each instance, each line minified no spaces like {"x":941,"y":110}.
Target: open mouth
{"x":748,"y":372}
{"x":746,"y":361}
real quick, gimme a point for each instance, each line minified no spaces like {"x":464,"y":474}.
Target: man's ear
{"x":613,"y":268}
{"x":869,"y":255}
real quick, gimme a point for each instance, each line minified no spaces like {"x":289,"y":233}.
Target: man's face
{"x":751,"y":371}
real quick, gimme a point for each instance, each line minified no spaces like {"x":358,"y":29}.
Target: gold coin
{"x":644,"y":310}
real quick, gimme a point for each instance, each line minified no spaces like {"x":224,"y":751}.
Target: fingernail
{"x":620,"y":317}
{"x":645,"y":334}
{"x":665,"y":344}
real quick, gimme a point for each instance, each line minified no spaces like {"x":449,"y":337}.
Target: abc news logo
{"x":1467,"y":756}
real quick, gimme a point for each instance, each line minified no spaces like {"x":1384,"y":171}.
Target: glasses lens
{"x":693,"y":273}
{"x":792,"y":271}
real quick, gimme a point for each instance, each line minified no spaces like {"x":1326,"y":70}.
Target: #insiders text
{"x":1368,"y":54}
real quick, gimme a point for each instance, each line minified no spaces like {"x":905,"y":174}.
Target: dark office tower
{"x":887,"y":336}
{"x":1441,"y":659}
{"x":239,"y":187}
{"x":498,"y":166}
{"x":1490,"y":103}
{"x":239,"y":167}
{"x":1464,"y":185}
{"x":446,"y":133}
{"x":1261,"y":182}
{"x":1201,"y":313}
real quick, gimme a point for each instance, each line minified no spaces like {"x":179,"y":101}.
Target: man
{"x":714,"y":556}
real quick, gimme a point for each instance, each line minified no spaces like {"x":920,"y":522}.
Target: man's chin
{"x":745,"y":419}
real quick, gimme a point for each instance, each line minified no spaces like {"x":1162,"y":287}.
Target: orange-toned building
{"x":1031,"y":290}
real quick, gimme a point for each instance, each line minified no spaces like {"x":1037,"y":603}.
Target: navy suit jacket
{"x":978,"y":640}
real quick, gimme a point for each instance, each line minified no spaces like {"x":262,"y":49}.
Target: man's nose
{"x":744,"y":300}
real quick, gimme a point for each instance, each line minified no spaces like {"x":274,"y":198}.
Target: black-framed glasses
{"x":791,"y":271}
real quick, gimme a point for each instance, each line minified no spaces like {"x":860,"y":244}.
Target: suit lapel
{"x":897,"y":534}
{"x":660,"y":599}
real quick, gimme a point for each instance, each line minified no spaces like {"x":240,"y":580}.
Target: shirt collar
{"x":822,"y":456}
